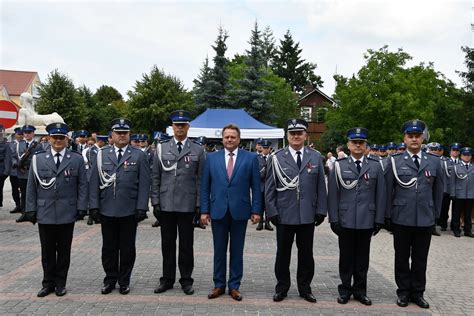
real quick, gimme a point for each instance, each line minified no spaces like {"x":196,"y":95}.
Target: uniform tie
{"x":58,"y":160}
{"x":119,"y":157}
{"x":415,"y":160}
{"x":27,"y":144}
{"x":265,"y":158}
{"x":298,"y":159}
{"x":358,"y":165}
{"x":230,"y":165}
{"x":467,"y":166}
{"x":180,"y":147}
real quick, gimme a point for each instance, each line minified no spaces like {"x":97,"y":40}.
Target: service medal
{"x":186,"y":165}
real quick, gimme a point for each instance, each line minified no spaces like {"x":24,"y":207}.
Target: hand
{"x":140,"y":215}
{"x":95,"y":215}
{"x":205,"y":219}
{"x":336,"y":228}
{"x":388,"y":224}
{"x":197,"y":218}
{"x":80,"y":215}
{"x":377,"y":228}
{"x":318,"y":219}
{"x":157,"y":212}
{"x":275,"y":220}
{"x":255,"y":218}
{"x":30,"y":217}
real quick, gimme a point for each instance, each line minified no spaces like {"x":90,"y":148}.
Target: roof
{"x":218,"y":118}
{"x":16,"y":82}
{"x":316,"y":90}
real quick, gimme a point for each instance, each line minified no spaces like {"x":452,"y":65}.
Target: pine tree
{"x":201,"y":91}
{"x":218,"y":85}
{"x":268,"y":47}
{"x":289,"y":65}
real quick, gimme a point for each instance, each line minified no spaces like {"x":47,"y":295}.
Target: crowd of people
{"x":114,"y":178}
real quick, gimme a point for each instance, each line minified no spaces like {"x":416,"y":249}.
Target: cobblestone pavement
{"x":449,"y":288}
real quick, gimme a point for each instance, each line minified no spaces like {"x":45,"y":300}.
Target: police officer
{"x":81,"y":140}
{"x":391,"y":148}
{"x":145,"y":147}
{"x":356,"y":206}
{"x":177,"y":168}
{"x":56,"y":196}
{"x":446,"y":167}
{"x":462,"y":192}
{"x":401,"y":148}
{"x":119,"y":188}
{"x":5,"y":161}
{"x":258,"y":145}
{"x":135,"y":140}
{"x":262,"y":165}
{"x":159,"y":138}
{"x":435,"y":149}
{"x":296,"y":201}
{"x":17,"y":137}
{"x":24,"y":153}
{"x":415,"y":190}
{"x":454,"y":152}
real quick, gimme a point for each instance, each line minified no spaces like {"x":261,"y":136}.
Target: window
{"x":306,"y":112}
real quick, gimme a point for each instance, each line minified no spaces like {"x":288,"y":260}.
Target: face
{"x":230,"y":139}
{"x":29,"y":135}
{"x":143,"y":143}
{"x":18,"y":136}
{"x":296,"y":139}
{"x":58,"y":142}
{"x":258,"y":148}
{"x":466,"y":158}
{"x":265,"y":151}
{"x":357,"y":147}
{"x":121,"y":139}
{"x":454,"y":153}
{"x":135,"y":143}
{"x":90,"y":143}
{"x":413,"y":142}
{"x":100,"y":143}
{"x":391,"y":151}
{"x":81,"y":140}
{"x":180,"y":130}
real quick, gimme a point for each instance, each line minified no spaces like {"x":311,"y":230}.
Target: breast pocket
{"x":109,"y":169}
{"x":406,"y":174}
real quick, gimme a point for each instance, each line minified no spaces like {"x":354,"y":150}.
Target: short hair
{"x":231,"y":126}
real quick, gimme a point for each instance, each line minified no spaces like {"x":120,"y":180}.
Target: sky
{"x":115,"y":42}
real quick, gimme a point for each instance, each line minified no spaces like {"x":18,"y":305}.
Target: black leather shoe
{"x":155,"y":224}
{"x":268,"y":226}
{"x":309,"y":297}
{"x":162,"y":288}
{"x":17,"y":209}
{"x":363,"y":299}
{"x":60,"y":291}
{"x":443,"y":229}
{"x":434,"y":232}
{"x":420,"y":301}
{"x":260,"y":225}
{"x":188,"y":289}
{"x":45,"y":291}
{"x":107,"y":288}
{"x":278,"y":297}
{"x":343,"y":299}
{"x":124,"y":289}
{"x":21,"y":219}
{"x":469,"y":234}
{"x":456,"y":234}
{"x":402,"y":301}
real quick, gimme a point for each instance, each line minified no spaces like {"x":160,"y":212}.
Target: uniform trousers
{"x":172,"y":225}
{"x":15,"y":189}
{"x":413,"y":243}
{"x":305,"y":268}
{"x":23,"y":184}
{"x":459,"y":206}
{"x":56,"y":243}
{"x":444,"y":215}
{"x":354,"y":253}
{"x":2,"y":183}
{"x":118,"y":248}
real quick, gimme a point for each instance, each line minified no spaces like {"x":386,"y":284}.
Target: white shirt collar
{"x":62,"y":152}
{"x":412,"y":154}
{"x":182,"y":142}
{"x":124,"y":149}
{"x":227,"y":152}
{"x":361,"y":159}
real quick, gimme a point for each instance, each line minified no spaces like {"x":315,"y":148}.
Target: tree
{"x":268,"y":49}
{"x":106,"y":95}
{"x":202,"y":93}
{"x":87,"y":98}
{"x":218,"y":85}
{"x":385,"y":93}
{"x":154,"y":98}
{"x":58,"y":94}
{"x":289,"y":65}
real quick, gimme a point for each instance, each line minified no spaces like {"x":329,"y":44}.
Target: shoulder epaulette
{"x":342,"y":158}
{"x":433,"y":155}
{"x":314,"y":150}
{"x":275,"y":152}
{"x":396,"y":154}
{"x":39,"y":152}
{"x":373,"y":159}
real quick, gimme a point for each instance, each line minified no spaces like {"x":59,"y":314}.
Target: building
{"x":13,"y":83}
{"x":313,"y":107}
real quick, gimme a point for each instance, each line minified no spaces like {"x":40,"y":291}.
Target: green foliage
{"x":384,"y":94}
{"x":201,"y":92}
{"x":58,"y":94}
{"x":154,"y":98}
{"x":218,"y":85}
{"x":288,"y":64}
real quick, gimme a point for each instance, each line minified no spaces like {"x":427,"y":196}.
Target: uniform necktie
{"x":230,"y":165}
{"x":180,"y":147}
{"x":358,"y":165}
{"x":58,"y":160}
{"x":27,"y":144}
{"x":119,"y":157}
{"x":265,"y":158}
{"x":467,"y":166}
{"x":415,"y":160}
{"x":298,"y":159}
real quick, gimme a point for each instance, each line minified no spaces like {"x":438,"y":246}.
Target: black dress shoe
{"x":17,"y":209}
{"x":343,"y":299}
{"x":469,"y":234}
{"x":188,"y":289}
{"x":278,"y":297}
{"x":107,"y":288}
{"x":402,"y":301}
{"x":60,"y":291}
{"x":124,"y":289}
{"x":162,"y":288}
{"x":456,"y":234}
{"x":21,"y":219}
{"x":45,"y":291}
{"x":443,"y":229}
{"x":260,"y":225}
{"x":363,"y":299}
{"x":268,"y":226}
{"x":420,"y":301}
{"x":309,"y":297}
{"x":155,"y":224}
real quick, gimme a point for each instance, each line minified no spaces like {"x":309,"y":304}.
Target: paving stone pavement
{"x":449,"y":289}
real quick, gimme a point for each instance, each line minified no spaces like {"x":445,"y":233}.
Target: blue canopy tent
{"x":211,"y":122}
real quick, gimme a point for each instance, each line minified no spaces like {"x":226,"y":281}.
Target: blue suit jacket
{"x":219,"y":194}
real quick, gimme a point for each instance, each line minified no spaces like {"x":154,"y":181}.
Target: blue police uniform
{"x":5,"y":161}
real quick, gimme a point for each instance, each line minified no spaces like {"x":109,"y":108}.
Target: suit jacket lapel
{"x":289,"y":159}
{"x":409,"y":161}
{"x":237,"y":162}
{"x":221,"y":163}
{"x":64,"y":163}
{"x":111,"y":155}
{"x":352,"y":166}
{"x":423,"y":161}
{"x":51,"y":162}
{"x":306,"y":159}
{"x":126,"y":155}
{"x":185,"y":150}
{"x":365,"y":167}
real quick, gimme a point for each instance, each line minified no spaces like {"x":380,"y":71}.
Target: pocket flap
{"x":41,"y":202}
{"x":399,"y":201}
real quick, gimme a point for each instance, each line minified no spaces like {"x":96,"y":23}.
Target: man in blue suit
{"x":227,"y":179}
